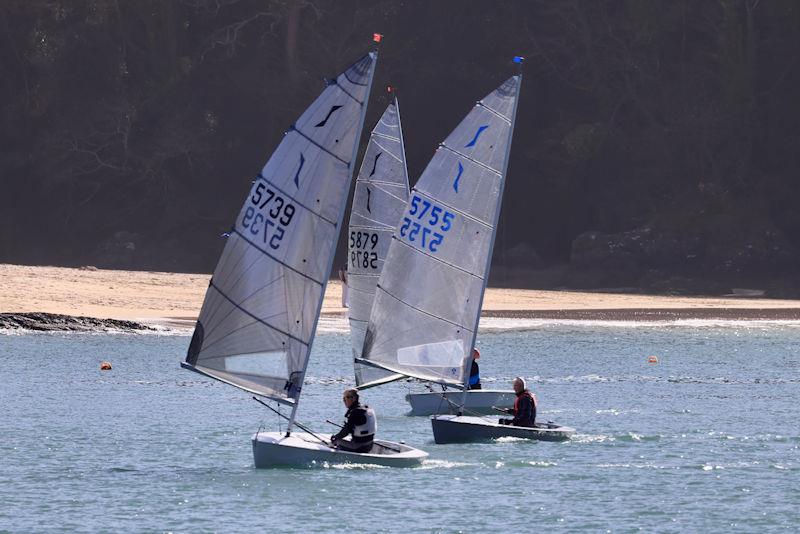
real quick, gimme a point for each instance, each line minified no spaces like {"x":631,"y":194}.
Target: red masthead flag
{"x":377,"y":37}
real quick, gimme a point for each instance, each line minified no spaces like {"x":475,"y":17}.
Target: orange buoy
{"x":105,"y":366}
{"x":652,"y":359}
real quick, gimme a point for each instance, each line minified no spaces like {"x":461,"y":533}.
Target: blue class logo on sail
{"x":477,"y":135}
{"x":297,"y":174}
{"x":458,"y":176}
{"x":474,"y":140}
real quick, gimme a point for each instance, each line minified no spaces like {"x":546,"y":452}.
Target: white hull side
{"x":274,"y":449}
{"x":479,"y":401}
{"x":461,"y":429}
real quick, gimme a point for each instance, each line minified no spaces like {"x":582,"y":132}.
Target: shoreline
{"x":173,"y":300}
{"x":652,"y":314}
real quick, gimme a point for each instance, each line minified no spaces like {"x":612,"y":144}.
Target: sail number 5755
{"x":431,"y":224}
{"x":268,"y":216}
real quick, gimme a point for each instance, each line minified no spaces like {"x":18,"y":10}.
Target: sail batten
{"x":256,"y":247}
{"x":260,"y":313}
{"x":423,"y":311}
{"x":258,"y":319}
{"x":500,"y":115}
{"x":326,"y":151}
{"x":429,"y":295}
{"x":377,"y":135}
{"x":307,"y":208}
{"x":443,"y":262}
{"x":476,"y":162}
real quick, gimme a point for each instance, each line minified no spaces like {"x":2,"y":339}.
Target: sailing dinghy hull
{"x":461,"y":429}
{"x":274,"y":449}
{"x":479,"y":401}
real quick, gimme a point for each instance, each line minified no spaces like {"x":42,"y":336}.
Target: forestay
{"x":380,"y":197}
{"x":261,"y":308}
{"x":428,"y":301}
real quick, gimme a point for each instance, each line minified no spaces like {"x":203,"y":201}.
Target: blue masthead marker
{"x":518,"y":59}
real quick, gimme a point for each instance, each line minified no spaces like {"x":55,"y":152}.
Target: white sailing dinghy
{"x":379,"y":200}
{"x":263,"y":302}
{"x":427,"y":305}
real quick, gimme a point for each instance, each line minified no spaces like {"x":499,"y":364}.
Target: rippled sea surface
{"x":707,"y":439}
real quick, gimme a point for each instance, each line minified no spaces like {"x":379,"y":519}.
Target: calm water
{"x":706,"y":440}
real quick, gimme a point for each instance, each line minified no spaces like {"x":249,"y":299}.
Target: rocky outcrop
{"x":51,"y":322}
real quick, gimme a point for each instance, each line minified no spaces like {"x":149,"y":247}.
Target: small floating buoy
{"x":105,"y":366}
{"x":652,"y":359}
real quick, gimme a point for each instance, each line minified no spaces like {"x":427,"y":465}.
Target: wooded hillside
{"x":657,"y":143}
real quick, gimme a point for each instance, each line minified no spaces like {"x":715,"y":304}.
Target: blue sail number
{"x":430,"y":218}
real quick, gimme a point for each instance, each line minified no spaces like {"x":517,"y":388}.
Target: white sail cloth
{"x":380,"y":197}
{"x":261,"y":308}
{"x":428,"y":299}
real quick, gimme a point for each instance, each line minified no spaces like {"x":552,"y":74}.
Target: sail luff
{"x":402,"y":143}
{"x":342,"y":208}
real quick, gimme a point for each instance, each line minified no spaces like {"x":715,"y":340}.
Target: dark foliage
{"x":131,"y":129}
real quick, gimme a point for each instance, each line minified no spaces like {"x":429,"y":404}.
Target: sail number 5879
{"x":431,"y":224}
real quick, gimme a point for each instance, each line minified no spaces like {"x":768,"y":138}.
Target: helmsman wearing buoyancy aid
{"x":360,"y":423}
{"x":524,"y":410}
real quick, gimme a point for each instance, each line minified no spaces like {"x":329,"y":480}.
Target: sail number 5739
{"x":268,"y":216}
{"x":431,"y":224}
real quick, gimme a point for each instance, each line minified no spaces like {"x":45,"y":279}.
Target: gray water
{"x":705,"y":440}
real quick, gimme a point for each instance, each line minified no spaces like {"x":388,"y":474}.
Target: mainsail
{"x":261,"y":308}
{"x":380,"y":197}
{"x":428,"y":301}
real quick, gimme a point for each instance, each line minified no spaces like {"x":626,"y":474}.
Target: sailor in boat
{"x":360,"y":423}
{"x":524,"y":410}
{"x":474,"y":373}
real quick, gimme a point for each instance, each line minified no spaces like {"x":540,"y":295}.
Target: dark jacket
{"x":524,"y":409}
{"x":356,"y":415}
{"x":474,"y":376}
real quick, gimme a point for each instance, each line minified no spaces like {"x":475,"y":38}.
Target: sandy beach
{"x":175,"y":299}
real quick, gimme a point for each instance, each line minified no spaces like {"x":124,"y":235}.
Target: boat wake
{"x":352,"y":466}
{"x":443,"y":464}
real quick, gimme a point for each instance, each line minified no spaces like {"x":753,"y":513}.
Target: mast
{"x":351,"y":167}
{"x":402,"y":142}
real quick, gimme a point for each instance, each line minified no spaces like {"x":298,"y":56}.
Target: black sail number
{"x":268,"y":216}
{"x":362,"y":249}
